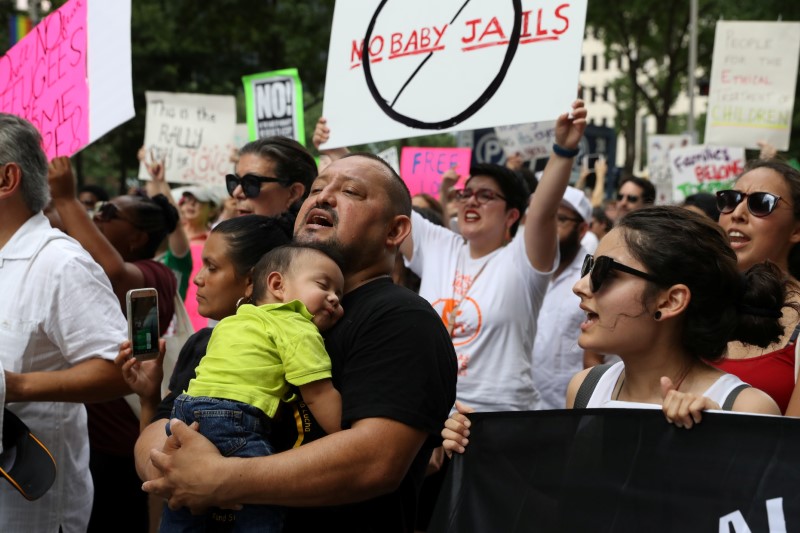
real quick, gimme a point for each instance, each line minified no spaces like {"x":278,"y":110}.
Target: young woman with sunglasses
{"x":761,"y":216}
{"x":664,"y":292}
{"x":488,"y":283}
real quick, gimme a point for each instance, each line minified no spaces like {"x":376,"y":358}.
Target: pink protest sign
{"x":422,"y":168}
{"x":43,"y":79}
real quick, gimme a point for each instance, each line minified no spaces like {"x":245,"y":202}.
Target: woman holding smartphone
{"x":123,"y":238}
{"x":233,"y":247}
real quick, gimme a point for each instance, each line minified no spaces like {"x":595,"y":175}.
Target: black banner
{"x":623,"y":470}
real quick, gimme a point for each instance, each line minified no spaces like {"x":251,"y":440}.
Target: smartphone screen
{"x":143,"y":322}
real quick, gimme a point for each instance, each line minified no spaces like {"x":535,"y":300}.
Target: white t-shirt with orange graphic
{"x":491,"y":305}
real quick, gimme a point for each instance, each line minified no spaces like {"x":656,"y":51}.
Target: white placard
{"x":658,"y":166}
{"x":391,"y":157}
{"x":704,"y":168}
{"x":429,"y":67}
{"x":753,"y":76}
{"x":193,"y":133}
{"x":109,"y":66}
{"x":531,"y":141}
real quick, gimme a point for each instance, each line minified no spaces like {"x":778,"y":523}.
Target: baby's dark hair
{"x":283,"y":259}
{"x":678,"y":246}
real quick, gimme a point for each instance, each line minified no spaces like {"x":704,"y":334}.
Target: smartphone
{"x":142,"y":306}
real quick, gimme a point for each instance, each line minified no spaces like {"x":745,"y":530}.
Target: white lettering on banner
{"x":735,"y":522}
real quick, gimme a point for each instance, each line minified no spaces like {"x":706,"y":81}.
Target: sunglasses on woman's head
{"x":760,"y":204}
{"x":107,"y":212}
{"x":251,"y":183}
{"x":599,"y":268}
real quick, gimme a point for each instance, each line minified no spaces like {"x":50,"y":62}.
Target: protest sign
{"x":192,"y":133}
{"x":753,"y":76}
{"x":46,"y":77}
{"x":43,"y":79}
{"x":401,"y":69}
{"x":622,"y":470}
{"x":531,"y":141}
{"x":658,"y":167}
{"x":390,"y":156}
{"x":704,"y":168}
{"x":422,"y":168}
{"x":275,"y":105}
{"x":109,"y":66}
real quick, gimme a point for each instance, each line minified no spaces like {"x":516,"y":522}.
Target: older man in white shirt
{"x":60,"y":329}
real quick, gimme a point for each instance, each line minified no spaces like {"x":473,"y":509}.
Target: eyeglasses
{"x":598,"y":269}
{"x":563,"y":219}
{"x":481,"y":195}
{"x":760,"y":204}
{"x":107,"y":212}
{"x":251,"y":183}
{"x":632,"y":198}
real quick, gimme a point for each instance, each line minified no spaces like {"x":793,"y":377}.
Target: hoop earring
{"x":242,"y":300}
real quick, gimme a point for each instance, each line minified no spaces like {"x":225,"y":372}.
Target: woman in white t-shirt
{"x":488,"y":283}
{"x":663,"y":292}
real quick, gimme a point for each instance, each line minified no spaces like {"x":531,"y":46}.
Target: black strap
{"x":729,"y":401}
{"x":589,"y":384}
{"x":795,"y":334}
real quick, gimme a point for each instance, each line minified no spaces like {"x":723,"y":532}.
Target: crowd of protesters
{"x":505,"y":293}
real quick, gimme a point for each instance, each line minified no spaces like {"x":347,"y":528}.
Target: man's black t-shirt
{"x":392,"y":358}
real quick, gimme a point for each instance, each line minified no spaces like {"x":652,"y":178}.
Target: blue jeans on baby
{"x":237,"y":429}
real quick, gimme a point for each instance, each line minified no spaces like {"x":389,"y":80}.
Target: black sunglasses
{"x":108,"y":212}
{"x":760,"y":204}
{"x":251,"y":183}
{"x":631,"y":198}
{"x":600,"y":267}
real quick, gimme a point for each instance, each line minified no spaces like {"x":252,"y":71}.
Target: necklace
{"x":677,"y":384}
{"x":453,"y":313}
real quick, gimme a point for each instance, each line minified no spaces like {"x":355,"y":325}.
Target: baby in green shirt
{"x":253,"y":360}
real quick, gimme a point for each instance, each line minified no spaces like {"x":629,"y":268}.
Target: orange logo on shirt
{"x":451,"y":313}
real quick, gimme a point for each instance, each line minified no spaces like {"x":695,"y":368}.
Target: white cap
{"x":576,"y":200}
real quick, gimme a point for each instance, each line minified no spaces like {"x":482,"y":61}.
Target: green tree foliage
{"x":206,"y":47}
{"x":652,"y":37}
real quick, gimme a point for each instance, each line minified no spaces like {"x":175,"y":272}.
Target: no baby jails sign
{"x":405,"y":68}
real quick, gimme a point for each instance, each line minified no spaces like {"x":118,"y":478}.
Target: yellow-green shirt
{"x":254,"y":355}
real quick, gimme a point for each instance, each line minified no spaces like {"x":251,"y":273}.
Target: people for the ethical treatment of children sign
{"x":753,"y":78}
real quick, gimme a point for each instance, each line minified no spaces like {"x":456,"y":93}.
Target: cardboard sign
{"x":753,"y":77}
{"x":46,"y":77}
{"x":43,"y":79}
{"x":193,"y":133}
{"x":704,"y":168}
{"x":402,"y":69}
{"x":531,"y":141}
{"x":422,"y":168}
{"x":390,"y":156}
{"x":275,"y":105}
{"x":658,"y":167}
{"x":109,"y":66}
